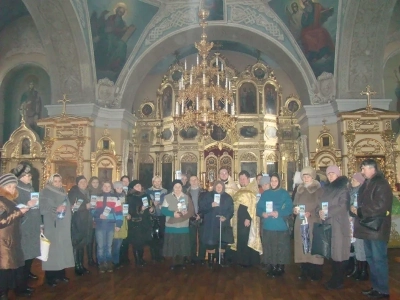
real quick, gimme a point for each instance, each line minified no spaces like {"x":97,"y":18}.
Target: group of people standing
{"x":246,"y":224}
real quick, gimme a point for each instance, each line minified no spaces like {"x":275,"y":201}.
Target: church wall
{"x":239,"y":61}
{"x":391,"y":78}
{"x":315,"y":131}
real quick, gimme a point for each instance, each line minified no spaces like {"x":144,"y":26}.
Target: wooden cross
{"x":369,"y":93}
{"x":64,"y":102}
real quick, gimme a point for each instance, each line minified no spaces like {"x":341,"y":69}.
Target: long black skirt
{"x":11,"y":278}
{"x":276,"y":247}
{"x":176,"y":244}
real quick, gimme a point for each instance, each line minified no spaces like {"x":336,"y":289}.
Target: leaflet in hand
{"x":182,"y":206}
{"x":258,"y":196}
{"x":125,"y":189}
{"x":93,"y":200}
{"x":22,"y":206}
{"x":325,"y":208}
{"x":121,"y":199}
{"x":107,"y":211}
{"x":217,"y":198}
{"x":269,"y":207}
{"x":157,"y":196}
{"x":178,"y":175}
{"x":355,"y":203}
{"x":145,"y":202}
{"x":35,"y":196}
{"x":302,"y":212}
{"x":125,"y":209}
{"x":77,"y":204}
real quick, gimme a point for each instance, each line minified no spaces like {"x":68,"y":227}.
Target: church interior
{"x":154,"y":87}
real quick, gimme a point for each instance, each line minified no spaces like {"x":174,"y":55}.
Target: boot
{"x":103,"y":267}
{"x":272,"y":271}
{"x":280,"y":270}
{"x":136,"y":255}
{"x":123,"y":252}
{"x":81,"y":254}
{"x":210,"y":260}
{"x":304,"y":271}
{"x":142,"y":261}
{"x":223,"y":261}
{"x":154,"y":256}
{"x":89,"y":252}
{"x":363,"y":271}
{"x":352,"y":267}
{"x":315,"y":272}
{"x":78,"y":270}
{"x":336,"y":281}
{"x":3,"y":295}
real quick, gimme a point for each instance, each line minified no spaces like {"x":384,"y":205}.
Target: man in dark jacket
{"x":374,"y":201}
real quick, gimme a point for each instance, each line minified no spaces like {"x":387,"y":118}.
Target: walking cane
{"x":220,"y":235}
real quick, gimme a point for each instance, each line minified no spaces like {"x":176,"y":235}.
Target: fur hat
{"x":333,"y":169}
{"x":358,"y":177}
{"x":7,"y":179}
{"x":308,"y":171}
{"x":21,"y":170}
{"x":79,"y":178}
{"x":175,"y":182}
{"x":133,"y":183}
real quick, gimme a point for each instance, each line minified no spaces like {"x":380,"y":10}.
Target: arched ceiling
{"x":10,"y":10}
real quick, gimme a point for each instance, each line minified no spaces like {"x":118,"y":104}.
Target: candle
{"x":222,"y":67}
{"x":183,"y":107}
{"x":185,"y":65}
{"x":218,"y":78}
{"x":197,"y":59}
{"x":177,"y":109}
{"x":190,"y":78}
{"x":204,"y":78}
{"x":197,"y":102}
{"x":226,"y":82}
{"x":212,"y":102}
{"x":229,"y":85}
{"x":226,"y":106}
{"x":216,"y":62}
{"x":233,"y":108}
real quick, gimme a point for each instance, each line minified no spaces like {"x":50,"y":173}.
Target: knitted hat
{"x":79,"y":178}
{"x":176,"y":181}
{"x":358,"y":177}
{"x":21,"y":170}
{"x":7,"y":179}
{"x":117,"y":184}
{"x":265,"y":180}
{"x":308,"y":171}
{"x":333,"y":169}
{"x":133,"y":183}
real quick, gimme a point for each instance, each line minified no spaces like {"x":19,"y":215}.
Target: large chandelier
{"x":205,"y":97}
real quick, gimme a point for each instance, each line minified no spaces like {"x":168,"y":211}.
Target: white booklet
{"x":125,"y":209}
{"x":325,"y":208}
{"x":22,"y":206}
{"x":182,"y":206}
{"x":125,"y":188}
{"x":157,"y":196}
{"x":35,"y":196}
{"x":302,"y":211}
{"x":77,"y":204}
{"x":217,"y":198}
{"x":145,"y":202}
{"x":93,"y":200}
{"x":107,"y":211}
{"x":178,"y":174}
{"x":269,"y":207}
{"x":355,"y":203}
{"x":258,"y":196}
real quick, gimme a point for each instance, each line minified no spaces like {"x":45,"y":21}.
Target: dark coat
{"x":30,"y":228}
{"x":81,"y":222}
{"x":337,"y":195}
{"x":211,"y":223}
{"x":11,"y":255}
{"x":140,"y":225}
{"x":375,"y":198}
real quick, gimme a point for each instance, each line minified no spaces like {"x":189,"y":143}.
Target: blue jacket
{"x":282,"y":203}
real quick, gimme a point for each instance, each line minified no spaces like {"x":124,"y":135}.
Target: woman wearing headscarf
{"x":56,"y":210}
{"x":275,"y":236}
{"x":30,"y":227}
{"x":359,"y":269}
{"x":94,"y":190}
{"x":336,"y":194}
{"x":308,"y":194}
{"x":216,"y":208}
{"x":122,"y":234}
{"x":82,"y":222}
{"x":141,"y":208}
{"x":11,"y":255}
{"x":178,"y":208}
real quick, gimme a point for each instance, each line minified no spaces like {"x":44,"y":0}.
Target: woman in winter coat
{"x":140,"y":225}
{"x":11,"y":254}
{"x":56,"y":210}
{"x":275,"y":236}
{"x":337,"y":195}
{"x":94,"y":190}
{"x":216,"y":203}
{"x":30,"y":227}
{"x":308,"y":194}
{"x":178,"y":208}
{"x":82,"y":222}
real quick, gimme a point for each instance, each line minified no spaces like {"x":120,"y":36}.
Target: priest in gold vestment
{"x":245,"y":223}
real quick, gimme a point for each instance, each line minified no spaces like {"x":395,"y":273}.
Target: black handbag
{"x":321,"y":241}
{"x":372,"y":223}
